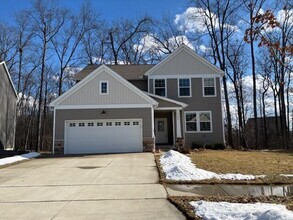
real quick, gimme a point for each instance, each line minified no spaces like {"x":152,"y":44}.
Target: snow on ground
{"x":17,"y":158}
{"x":287,"y":175}
{"x":225,"y":210}
{"x":179,"y":167}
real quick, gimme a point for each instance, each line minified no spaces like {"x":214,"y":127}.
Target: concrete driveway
{"x":117,"y":186}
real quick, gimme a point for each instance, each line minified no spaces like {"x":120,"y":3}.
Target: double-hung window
{"x":198,"y":122}
{"x":209,"y":87}
{"x":104,"y":90}
{"x":184,"y":87}
{"x":160,"y":87}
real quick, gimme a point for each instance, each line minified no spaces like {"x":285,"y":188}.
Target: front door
{"x":161,"y":130}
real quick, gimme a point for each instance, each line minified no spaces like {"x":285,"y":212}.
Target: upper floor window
{"x":209,"y":87}
{"x":198,"y":122}
{"x":184,"y":87}
{"x":104,"y":90}
{"x":160,"y":87}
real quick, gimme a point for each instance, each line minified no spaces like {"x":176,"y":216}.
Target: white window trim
{"x":100,"y":87}
{"x":198,"y":122}
{"x":178,"y":88}
{"x":215,"y":86}
{"x":154,"y":86}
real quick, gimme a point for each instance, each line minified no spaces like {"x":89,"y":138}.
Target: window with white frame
{"x":209,"y":87}
{"x":160,"y":87}
{"x":198,"y":121}
{"x":104,"y":90}
{"x":184,"y":87}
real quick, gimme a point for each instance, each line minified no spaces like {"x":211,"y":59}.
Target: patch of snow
{"x":225,"y":210}
{"x":287,"y":175}
{"x":17,"y":158}
{"x":179,"y":167}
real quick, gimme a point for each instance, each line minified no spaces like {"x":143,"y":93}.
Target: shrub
{"x":219,"y":146}
{"x":196,"y":145}
{"x":184,"y":150}
{"x":209,"y":146}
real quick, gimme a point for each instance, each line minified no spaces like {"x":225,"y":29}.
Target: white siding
{"x":89,"y":93}
{"x":184,"y":63}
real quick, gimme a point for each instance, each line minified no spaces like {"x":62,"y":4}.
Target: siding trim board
{"x":103,"y":106}
{"x":184,"y":76}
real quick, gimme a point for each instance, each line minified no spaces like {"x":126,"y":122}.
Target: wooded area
{"x":250,"y":40}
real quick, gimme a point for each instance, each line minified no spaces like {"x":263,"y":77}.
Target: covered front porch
{"x":168,"y":124}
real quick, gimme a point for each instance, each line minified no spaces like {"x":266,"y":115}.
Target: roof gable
{"x":184,"y":61}
{"x":3,"y":65}
{"x":86,"y":92}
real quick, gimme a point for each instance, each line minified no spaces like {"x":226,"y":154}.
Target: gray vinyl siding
{"x":184,"y":63}
{"x":89,"y":94}
{"x":141,"y":84}
{"x":95,"y":114}
{"x":197,"y":102}
{"x":7,"y":111}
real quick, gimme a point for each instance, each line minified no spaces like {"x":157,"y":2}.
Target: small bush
{"x":209,"y":146}
{"x":196,"y":145}
{"x":219,"y":146}
{"x":184,"y":150}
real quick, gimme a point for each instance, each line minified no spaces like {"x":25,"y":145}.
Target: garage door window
{"x":72,"y":125}
{"x":135,"y":123}
{"x":117,"y":123}
{"x":90,"y":124}
{"x":99,"y":124}
{"x":127,"y":123}
{"x":108,"y":123}
{"x":81,"y":124}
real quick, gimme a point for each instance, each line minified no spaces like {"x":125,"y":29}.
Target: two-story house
{"x":132,"y":108}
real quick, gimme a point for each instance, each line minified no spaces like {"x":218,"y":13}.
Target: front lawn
{"x":268,"y":163}
{"x":244,"y":162}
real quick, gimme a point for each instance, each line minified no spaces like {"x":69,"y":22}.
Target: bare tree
{"x":253,"y":7}
{"x":68,"y":39}
{"x":122,"y":32}
{"x":46,"y":20}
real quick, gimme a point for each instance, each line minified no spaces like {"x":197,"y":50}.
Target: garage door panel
{"x":103,"y":136}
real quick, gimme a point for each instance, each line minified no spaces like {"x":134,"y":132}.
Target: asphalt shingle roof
{"x":129,"y":72}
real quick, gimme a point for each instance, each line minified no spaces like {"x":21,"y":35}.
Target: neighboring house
{"x":132,"y":108}
{"x":271,"y":138}
{"x":8,"y":100}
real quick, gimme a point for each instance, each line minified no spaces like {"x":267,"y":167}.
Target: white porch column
{"x":178,"y":124}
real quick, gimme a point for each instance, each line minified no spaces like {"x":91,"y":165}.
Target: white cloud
{"x":284,"y":15}
{"x":196,"y":20}
{"x":149,"y":44}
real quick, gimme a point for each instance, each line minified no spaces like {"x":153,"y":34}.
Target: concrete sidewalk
{"x":118,"y":186}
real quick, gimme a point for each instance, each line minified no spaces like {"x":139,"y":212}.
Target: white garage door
{"x":103,"y":136}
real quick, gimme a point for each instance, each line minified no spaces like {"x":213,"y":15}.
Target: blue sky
{"x":110,"y":9}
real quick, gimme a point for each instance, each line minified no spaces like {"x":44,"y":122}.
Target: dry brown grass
{"x":182,"y":203}
{"x":244,"y":162}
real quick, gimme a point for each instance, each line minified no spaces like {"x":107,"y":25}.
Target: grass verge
{"x":183,"y":202}
{"x":225,"y":161}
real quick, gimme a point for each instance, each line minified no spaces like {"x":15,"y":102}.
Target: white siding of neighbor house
{"x":89,"y":93}
{"x":184,"y":63}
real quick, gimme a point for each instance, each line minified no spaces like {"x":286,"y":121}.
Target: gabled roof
{"x":9,"y":78}
{"x":189,"y":51}
{"x":94,"y":74}
{"x":128,"y":72}
{"x":183,"y":105}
